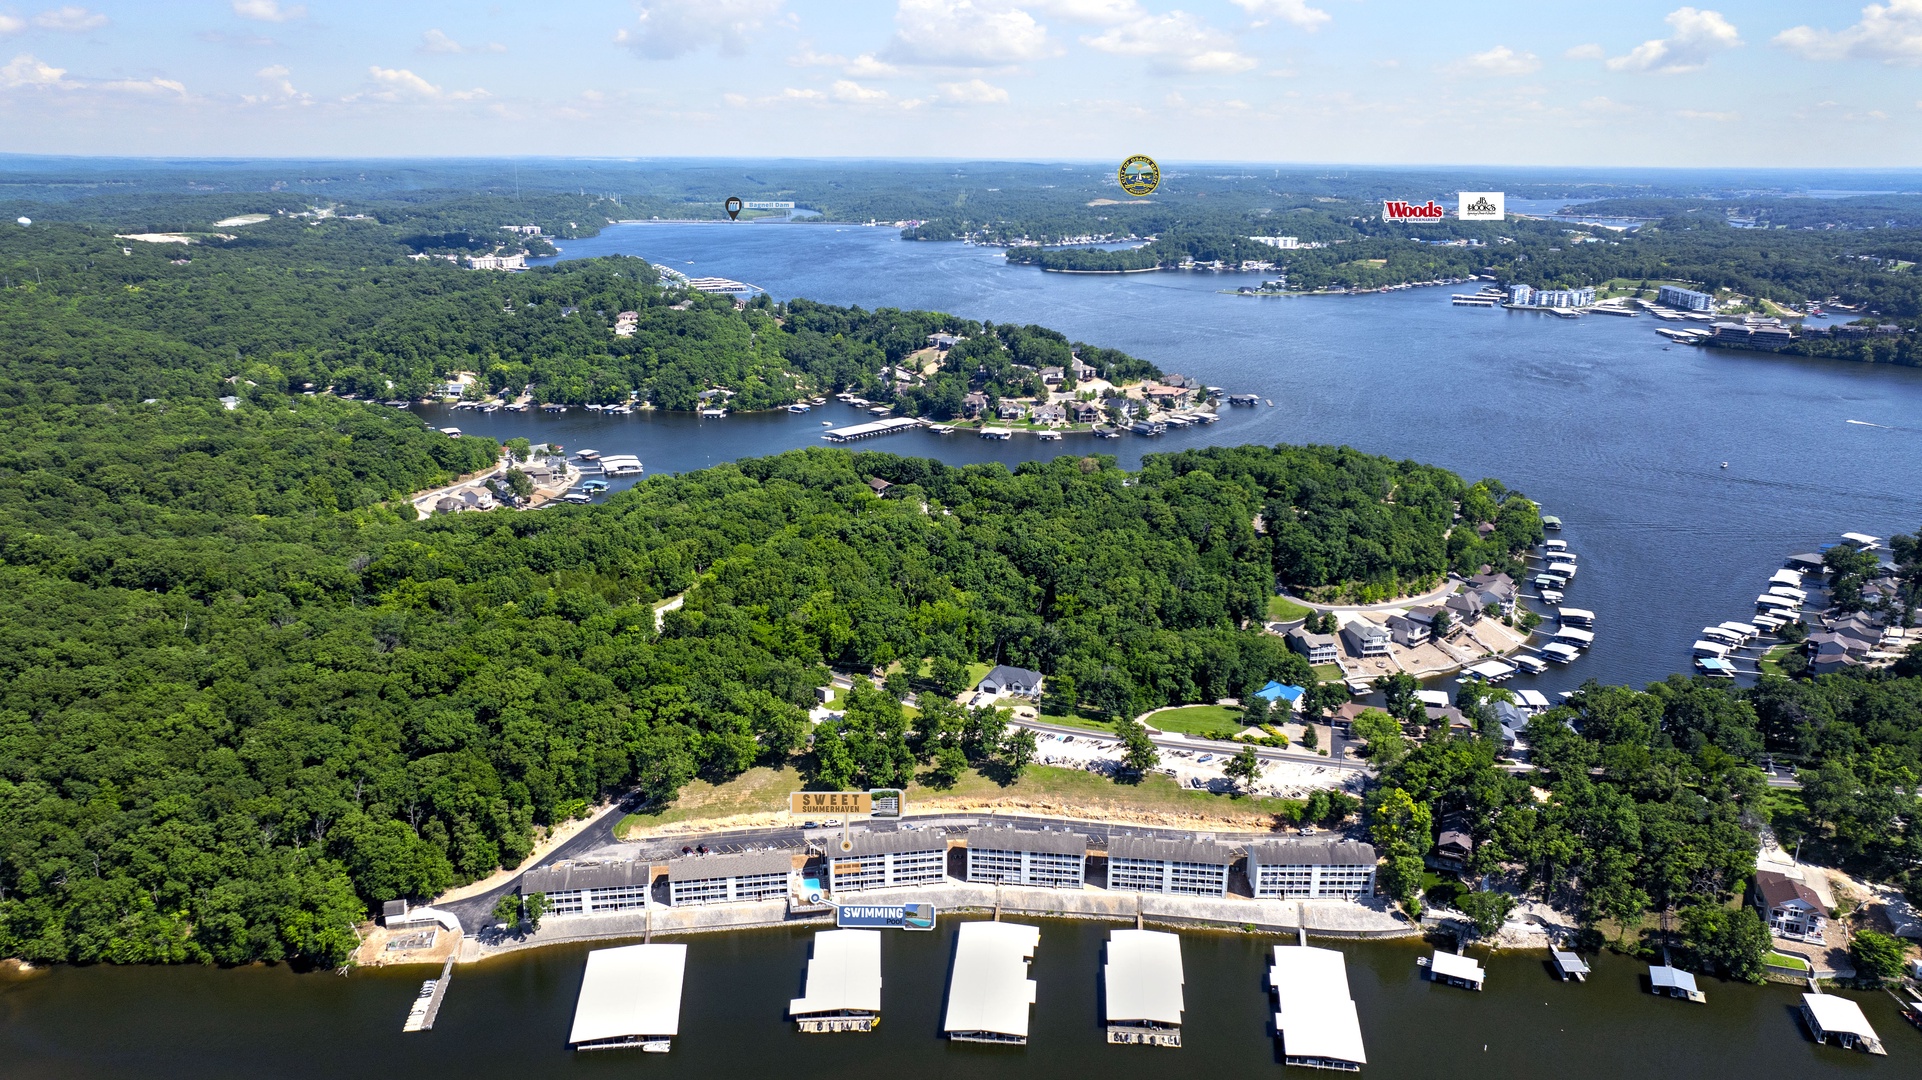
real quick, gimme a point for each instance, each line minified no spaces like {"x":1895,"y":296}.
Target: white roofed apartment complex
{"x":1178,"y":867}
{"x":721,"y":879}
{"x":590,"y":888}
{"x":1142,"y":980}
{"x":844,"y":983}
{"x":1311,"y":870}
{"x":1010,"y":856}
{"x":989,"y":993}
{"x":889,"y":860}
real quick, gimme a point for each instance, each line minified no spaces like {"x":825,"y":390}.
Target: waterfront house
{"x":1365,"y":638}
{"x":1789,"y":906}
{"x":1178,"y":867}
{"x":879,"y":486}
{"x":1408,"y":632}
{"x":720,"y":879}
{"x":1018,"y":682}
{"x":1453,"y":847}
{"x":889,"y":860}
{"x":1052,"y":376}
{"x":1497,"y":589}
{"x":942,"y":342}
{"x":1048,"y":858}
{"x":974,"y":404}
{"x":1464,"y":609}
{"x":1010,"y":409}
{"x":1087,"y":412}
{"x":590,"y":888}
{"x":1311,"y":870}
{"x":1082,"y":372}
{"x":1050,"y":414}
{"x":1318,"y":648}
{"x":1167,"y":397}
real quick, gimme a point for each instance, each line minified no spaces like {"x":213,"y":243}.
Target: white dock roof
{"x":1316,"y":1018}
{"x":1575,"y":635}
{"x":843,"y":974}
{"x":1575,"y":614}
{"x":1456,"y":966}
{"x":632,"y":990}
{"x":990,"y":989}
{"x":1491,"y":669}
{"x":1533,"y":699}
{"x":1664,"y":978}
{"x":1862,"y":539}
{"x":1839,"y":1016}
{"x":1742,"y":628}
{"x":1792,"y":578}
{"x":1143,"y":976}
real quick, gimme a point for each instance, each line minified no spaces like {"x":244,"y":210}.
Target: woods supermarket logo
{"x":1482,"y":206}
{"x":1396,"y":210}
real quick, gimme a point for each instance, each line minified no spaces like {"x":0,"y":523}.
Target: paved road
{"x":1446,"y":590}
{"x":1206,"y":746}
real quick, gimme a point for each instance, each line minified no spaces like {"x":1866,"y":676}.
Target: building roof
{"x":1143,"y":976}
{"x":1569,"y":962}
{"x":703,"y":867}
{"x":1456,"y":966}
{"x":1004,"y":674}
{"x":1839,"y":1016}
{"x":1777,"y":889}
{"x":897,"y":841}
{"x":632,"y":990}
{"x":1664,"y":978}
{"x":1312,"y":853}
{"x":1009,"y":838}
{"x":569,"y":876}
{"x":990,"y":989}
{"x":1190,"y":851}
{"x":1315,"y":1018}
{"x":843,"y":973}
{"x":1280,"y":691}
{"x":1303,"y":637}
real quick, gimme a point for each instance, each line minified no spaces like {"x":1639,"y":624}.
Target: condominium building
{"x":1311,"y":869}
{"x":1687,"y":299}
{"x":1179,"y":867}
{"x":888,"y":860}
{"x":1048,"y":858}
{"x":590,"y":888}
{"x":720,"y":879}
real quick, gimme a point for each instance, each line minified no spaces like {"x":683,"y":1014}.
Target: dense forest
{"x":333,"y":303}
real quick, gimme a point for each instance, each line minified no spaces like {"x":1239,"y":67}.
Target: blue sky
{"x":1365,"y":81}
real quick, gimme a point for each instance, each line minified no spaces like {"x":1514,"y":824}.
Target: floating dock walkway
{"x":427,"y":1006}
{"x":843,"y":985}
{"x":1143,"y":980}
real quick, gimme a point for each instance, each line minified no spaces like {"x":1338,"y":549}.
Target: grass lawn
{"x":1213,"y":720}
{"x":1069,"y":792}
{"x":977,"y":672}
{"x":1282,"y":609}
{"x":1328,"y":672}
{"x":1771,"y":661}
{"x":1777,"y":959}
{"x":1077,"y":721}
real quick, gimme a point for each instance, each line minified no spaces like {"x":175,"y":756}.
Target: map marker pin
{"x":733,"y":205}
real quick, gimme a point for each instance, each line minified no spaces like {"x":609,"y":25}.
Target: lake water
{"x":508,"y":1019}
{"x":1599,"y":419}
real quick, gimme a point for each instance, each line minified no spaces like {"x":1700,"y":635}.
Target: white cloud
{"x":973,"y":92}
{"x":11,"y":25}
{"x":148,"y":87}
{"x":29,"y":70}
{"x":671,"y":28}
{"x":862,"y":66}
{"x":850,"y":91}
{"x":791,"y":94}
{"x":1099,"y":12}
{"x":1586,"y":52}
{"x":279,"y":88}
{"x":1294,"y":12}
{"x":1891,"y":33}
{"x":1698,"y":35}
{"x":1500,"y":60}
{"x":71,"y":19}
{"x":268,"y":10}
{"x":1176,"y":41}
{"x":962,"y":33}
{"x":436,"y":41}
{"x":398,"y":83}
{"x":865,"y":65}
{"x":1716,"y":117}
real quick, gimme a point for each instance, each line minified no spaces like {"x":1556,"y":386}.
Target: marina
{"x":1142,"y":982}
{"x":630,"y":998}
{"x":1315,"y":1015}
{"x":843,"y":983}
{"x":989,"y":993}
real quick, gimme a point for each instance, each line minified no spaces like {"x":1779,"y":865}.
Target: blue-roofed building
{"x":1276,"y":691}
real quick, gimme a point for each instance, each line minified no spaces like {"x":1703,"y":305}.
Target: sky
{"x":1626,"y":83}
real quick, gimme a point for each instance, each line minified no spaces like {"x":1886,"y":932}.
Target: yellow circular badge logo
{"x":1139,"y":175}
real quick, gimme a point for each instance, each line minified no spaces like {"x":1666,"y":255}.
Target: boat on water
{"x":1552,"y":524}
{"x":656,"y":1046}
{"x":594,"y":485}
{"x":1268,"y":403}
{"x":800,"y":407}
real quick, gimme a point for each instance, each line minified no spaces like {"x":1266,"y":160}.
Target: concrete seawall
{"x":1372,"y":918}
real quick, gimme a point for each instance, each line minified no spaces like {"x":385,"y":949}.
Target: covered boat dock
{"x":1455,"y":970}
{"x":990,"y":994}
{"x":1829,"y":1015}
{"x":1675,"y":983}
{"x":844,"y":983}
{"x":1315,"y":1016}
{"x":1143,"y":982}
{"x":630,"y":998}
{"x":1569,"y":965}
